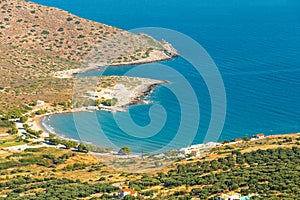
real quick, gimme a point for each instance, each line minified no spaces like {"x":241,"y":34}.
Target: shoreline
{"x":36,"y":123}
{"x":114,"y":153}
{"x":151,"y":59}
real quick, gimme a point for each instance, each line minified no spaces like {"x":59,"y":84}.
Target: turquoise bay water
{"x":254,"y":43}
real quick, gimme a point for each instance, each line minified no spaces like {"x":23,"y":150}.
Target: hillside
{"x":38,"y":41}
{"x":266,"y":167}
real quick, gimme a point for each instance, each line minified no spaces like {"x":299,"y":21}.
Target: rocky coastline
{"x":168,"y":53}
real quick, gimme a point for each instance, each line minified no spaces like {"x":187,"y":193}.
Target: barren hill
{"x":37,"y":41}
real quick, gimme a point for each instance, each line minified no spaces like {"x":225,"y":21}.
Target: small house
{"x":231,"y":196}
{"x":238,"y":140}
{"x":127,"y":191}
{"x":191,"y":151}
{"x":258,"y":136}
{"x":195,"y":153}
{"x":40,"y":103}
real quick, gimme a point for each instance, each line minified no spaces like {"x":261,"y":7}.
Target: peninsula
{"x":40,"y":43}
{"x":112,"y":93}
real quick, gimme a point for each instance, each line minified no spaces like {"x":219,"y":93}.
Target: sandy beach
{"x":128,"y":90}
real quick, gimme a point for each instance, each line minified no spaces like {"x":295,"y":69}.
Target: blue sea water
{"x":254,"y":43}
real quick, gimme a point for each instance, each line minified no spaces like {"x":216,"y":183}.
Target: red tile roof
{"x":129,"y":190}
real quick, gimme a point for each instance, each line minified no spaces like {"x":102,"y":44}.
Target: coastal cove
{"x":260,"y":73}
{"x":158,"y":100}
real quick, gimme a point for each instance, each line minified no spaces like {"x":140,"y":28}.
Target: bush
{"x":32,"y":150}
{"x":24,"y":118}
{"x":6,"y":124}
{"x":45,"y":32}
{"x":124,"y":151}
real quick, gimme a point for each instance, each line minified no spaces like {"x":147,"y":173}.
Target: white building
{"x":258,"y":136}
{"x":40,"y":103}
{"x":233,"y":196}
{"x":197,"y":148}
{"x":191,"y":150}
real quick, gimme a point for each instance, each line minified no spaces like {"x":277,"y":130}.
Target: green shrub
{"x":45,"y":32}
